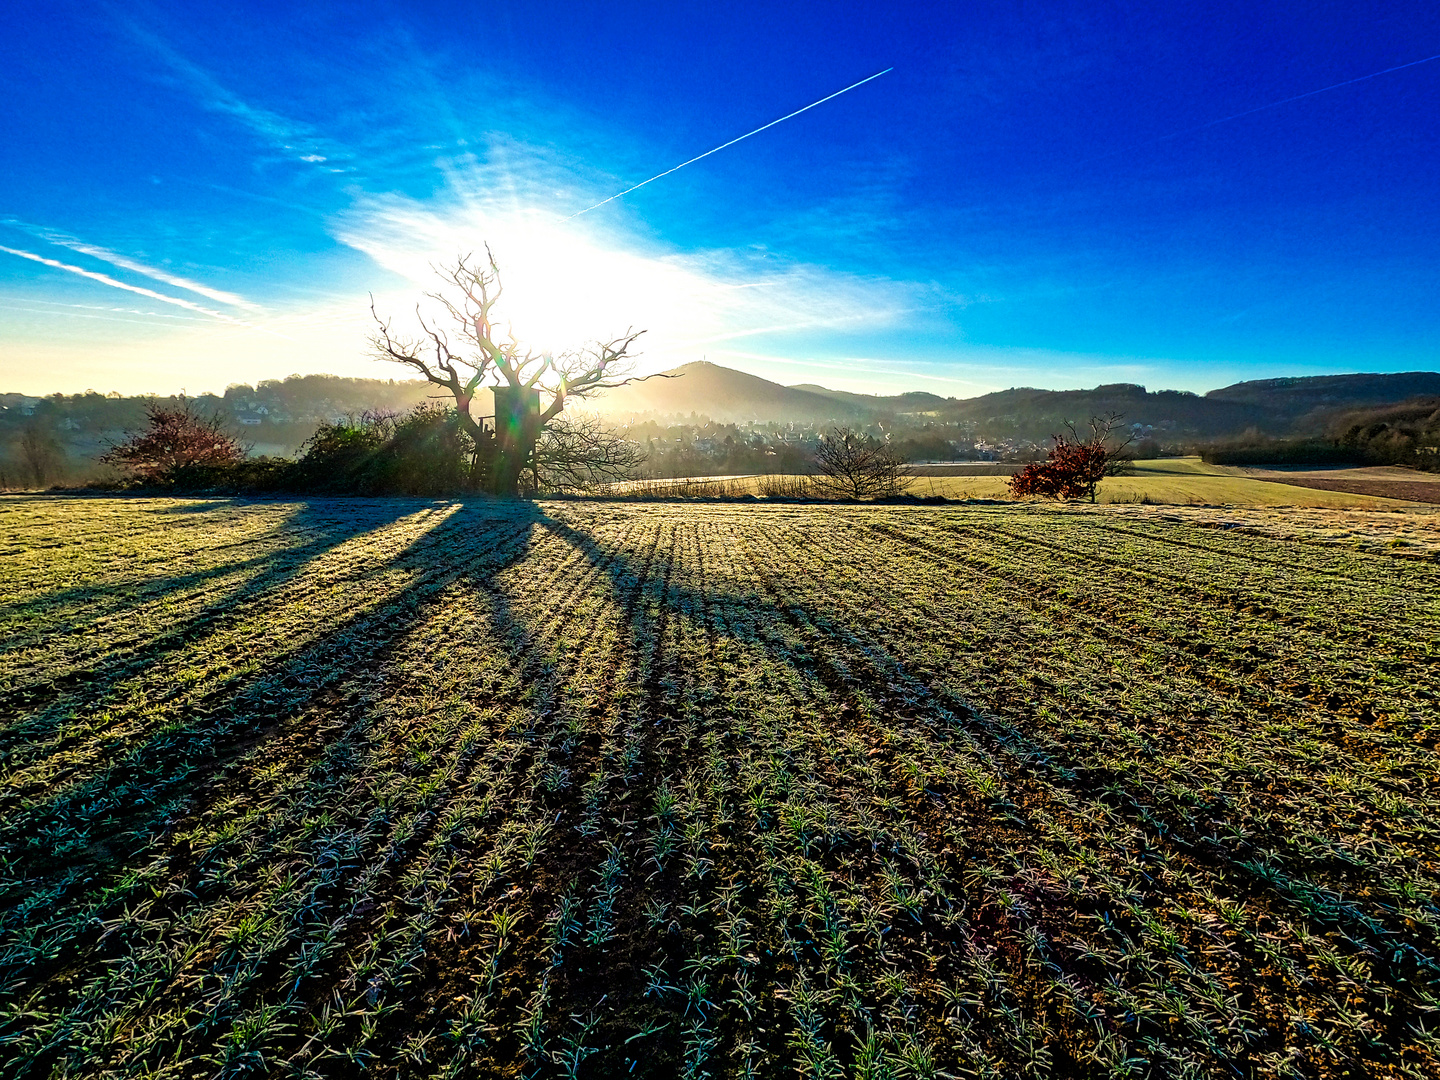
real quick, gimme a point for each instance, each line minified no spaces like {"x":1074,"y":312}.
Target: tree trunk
{"x":505,"y":474}
{"x":517,"y":427}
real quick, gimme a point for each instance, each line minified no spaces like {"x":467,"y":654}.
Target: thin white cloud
{"x":298,"y":140}
{"x":100,"y":307}
{"x":66,"y":314}
{"x":106,"y":279}
{"x":566,"y":283}
{"x":124,"y":262}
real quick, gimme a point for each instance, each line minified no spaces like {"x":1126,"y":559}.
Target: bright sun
{"x":563,"y":286}
{"x":568,"y":283}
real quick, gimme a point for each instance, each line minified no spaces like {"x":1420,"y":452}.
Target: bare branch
{"x":581,"y":455}
{"x":486,"y":357}
{"x":856,"y":466}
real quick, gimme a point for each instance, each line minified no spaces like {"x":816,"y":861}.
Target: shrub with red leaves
{"x":175,"y":439}
{"x":1073,"y":467}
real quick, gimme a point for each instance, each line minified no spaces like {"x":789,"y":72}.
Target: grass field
{"x":1167,"y":481}
{"x":608,"y":789}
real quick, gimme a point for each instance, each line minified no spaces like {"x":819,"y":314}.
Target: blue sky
{"x":1034,"y":195}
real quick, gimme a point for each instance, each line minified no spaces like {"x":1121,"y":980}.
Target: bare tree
{"x":1117,"y":441}
{"x":531,"y":388}
{"x":41,"y":453}
{"x":581,"y":454}
{"x":857,"y":466}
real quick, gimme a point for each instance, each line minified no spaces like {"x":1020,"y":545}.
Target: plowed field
{"x":402,"y":788}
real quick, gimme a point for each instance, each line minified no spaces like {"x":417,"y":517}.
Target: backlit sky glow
{"x":190,"y":199}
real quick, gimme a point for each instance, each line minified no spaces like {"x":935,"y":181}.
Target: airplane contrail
{"x":732,"y":142}
{"x":1263,"y":108}
{"x":60,"y":239}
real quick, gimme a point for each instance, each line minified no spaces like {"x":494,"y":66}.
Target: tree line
{"x":1406,"y":433}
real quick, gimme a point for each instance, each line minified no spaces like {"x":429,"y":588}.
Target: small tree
{"x":856,"y":466}
{"x":521,"y":377}
{"x":1074,"y":466}
{"x":41,"y":452}
{"x":175,"y":438}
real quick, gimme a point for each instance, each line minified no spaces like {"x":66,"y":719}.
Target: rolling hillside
{"x":1298,"y":396}
{"x":1271,"y":406}
{"x":727,"y":395}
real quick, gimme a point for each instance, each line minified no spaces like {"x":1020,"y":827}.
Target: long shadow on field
{"x":50,"y":693}
{"x":317,"y":523}
{"x":763,"y":619}
{"x":848,"y":661}
{"x":298,"y":685}
{"x":68,"y":818}
{"x":761,"y":611}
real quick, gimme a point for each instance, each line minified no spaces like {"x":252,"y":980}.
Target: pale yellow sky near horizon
{"x":566,"y":283}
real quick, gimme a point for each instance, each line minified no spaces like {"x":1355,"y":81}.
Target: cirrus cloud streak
{"x":106,"y":279}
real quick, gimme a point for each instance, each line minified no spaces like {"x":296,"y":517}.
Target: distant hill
{"x":278,"y":415}
{"x":731,"y":396}
{"x":725,"y":395}
{"x":1270,"y":406}
{"x":910,"y":402}
{"x":1292,"y":406}
{"x":1029,"y":413}
{"x":1299,"y":397}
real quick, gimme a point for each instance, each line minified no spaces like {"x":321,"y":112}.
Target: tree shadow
{"x":125,"y":799}
{"x":128,"y":804}
{"x":847,"y":662}
{"x":324,"y":527}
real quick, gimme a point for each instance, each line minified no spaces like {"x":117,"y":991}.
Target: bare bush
{"x":784,"y":486}
{"x":684,"y":488}
{"x":857,"y":466}
{"x":41,"y":454}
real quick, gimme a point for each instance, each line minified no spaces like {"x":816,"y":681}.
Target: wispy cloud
{"x":124,"y":262}
{"x":298,"y":140}
{"x":106,"y":279}
{"x":108,"y":308}
{"x":566,"y":283}
{"x":50,"y":312}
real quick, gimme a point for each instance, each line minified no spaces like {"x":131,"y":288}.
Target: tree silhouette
{"x":857,"y":466}
{"x":41,"y":452}
{"x":531,"y":388}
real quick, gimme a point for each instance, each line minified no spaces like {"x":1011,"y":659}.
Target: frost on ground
{"x":393,"y":787}
{"x":1413,"y":531}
